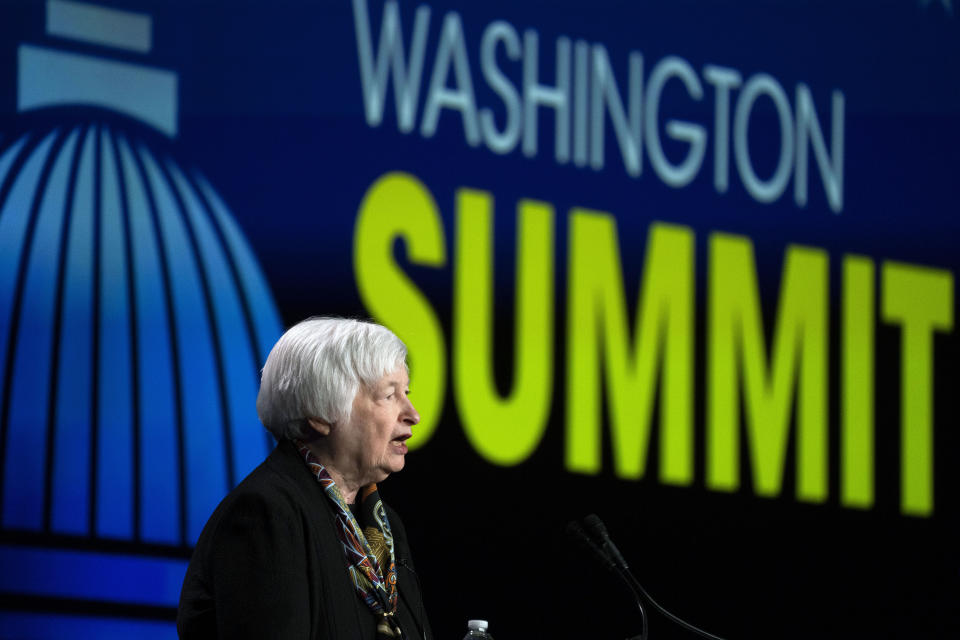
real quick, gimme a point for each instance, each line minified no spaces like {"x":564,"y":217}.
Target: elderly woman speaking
{"x":304,"y":547}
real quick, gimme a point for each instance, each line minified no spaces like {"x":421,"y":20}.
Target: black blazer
{"x":269,"y":564}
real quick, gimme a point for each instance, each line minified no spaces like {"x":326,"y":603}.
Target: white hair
{"x":316,"y":369}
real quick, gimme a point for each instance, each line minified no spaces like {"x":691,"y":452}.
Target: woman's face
{"x":371,"y":445}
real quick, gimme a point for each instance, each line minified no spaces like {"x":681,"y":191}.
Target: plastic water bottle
{"x":477,"y":630}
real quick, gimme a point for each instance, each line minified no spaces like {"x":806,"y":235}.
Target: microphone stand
{"x":639,"y":603}
{"x":610,"y":562}
{"x":614,"y":560}
{"x":639,"y":591}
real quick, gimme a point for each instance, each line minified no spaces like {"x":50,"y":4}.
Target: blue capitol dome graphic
{"x":134,"y":319}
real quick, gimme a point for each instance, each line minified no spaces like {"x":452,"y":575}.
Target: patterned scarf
{"x":368,"y":550}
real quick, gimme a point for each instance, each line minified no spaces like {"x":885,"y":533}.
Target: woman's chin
{"x":398,"y":460}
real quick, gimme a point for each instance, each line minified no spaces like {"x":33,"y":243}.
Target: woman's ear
{"x":319,"y":426}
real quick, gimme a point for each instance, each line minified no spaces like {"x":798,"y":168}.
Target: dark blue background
{"x":271,"y":112}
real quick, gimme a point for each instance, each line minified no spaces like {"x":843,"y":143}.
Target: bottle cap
{"x":477,"y":625}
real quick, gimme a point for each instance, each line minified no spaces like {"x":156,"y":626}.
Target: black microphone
{"x":575,"y":531}
{"x":609,"y":556}
{"x":599,"y":531}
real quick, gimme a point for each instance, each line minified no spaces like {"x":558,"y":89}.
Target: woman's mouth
{"x":400,"y":443}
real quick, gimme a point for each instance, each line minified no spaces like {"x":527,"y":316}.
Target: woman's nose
{"x":410,"y":415}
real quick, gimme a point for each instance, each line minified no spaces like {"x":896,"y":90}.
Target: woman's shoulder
{"x":272,"y":491}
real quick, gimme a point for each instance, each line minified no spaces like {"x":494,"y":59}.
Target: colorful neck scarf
{"x":368,"y":550}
